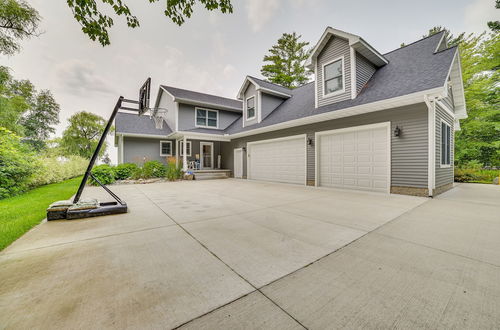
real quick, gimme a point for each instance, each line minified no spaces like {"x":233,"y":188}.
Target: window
{"x":333,"y":77}
{"x":251,"y":107}
{"x":206,"y":118}
{"x":445,"y":144}
{"x":188,"y":148}
{"x":165,"y":148}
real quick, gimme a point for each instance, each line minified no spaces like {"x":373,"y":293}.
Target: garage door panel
{"x":355,"y":159}
{"x":278,"y":160}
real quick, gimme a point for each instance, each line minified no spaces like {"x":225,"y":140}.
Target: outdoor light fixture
{"x":397,"y":131}
{"x":309,"y":141}
{"x":244,"y":148}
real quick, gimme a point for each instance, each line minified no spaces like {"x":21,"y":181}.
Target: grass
{"x":19,"y":214}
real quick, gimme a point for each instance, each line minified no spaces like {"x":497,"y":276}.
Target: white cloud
{"x":229,"y":71}
{"x":259,"y":12}
{"x":478,"y":13}
{"x":79,"y":77}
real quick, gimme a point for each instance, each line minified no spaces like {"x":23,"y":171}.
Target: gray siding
{"x":250,"y":91}
{"x":139,"y":150}
{"x":187,"y":117}
{"x":443,"y":175}
{"x":269,"y":103}
{"x":408,"y":152}
{"x":364,"y":71}
{"x":335,"y":47}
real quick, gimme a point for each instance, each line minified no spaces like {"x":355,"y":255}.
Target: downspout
{"x":431,"y":163}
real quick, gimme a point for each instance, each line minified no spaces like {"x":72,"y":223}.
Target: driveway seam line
{"x":229,"y":267}
{"x":87,"y":239}
{"x":438,"y":249}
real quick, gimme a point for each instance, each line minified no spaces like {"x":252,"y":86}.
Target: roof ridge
{"x":269,"y":82}
{"x":193,"y":91}
{"x":412,"y":43}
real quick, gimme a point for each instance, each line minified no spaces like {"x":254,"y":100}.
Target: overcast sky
{"x":211,"y":52}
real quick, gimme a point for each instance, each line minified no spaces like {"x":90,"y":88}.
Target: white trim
{"x":211,"y":144}
{"x":201,"y":136}
{"x":271,"y":91}
{"x":340,"y":91}
{"x":259,"y":108}
{"x":182,"y":149}
{"x":120,"y":149}
{"x":148,"y":136}
{"x":291,"y":137}
{"x":346,"y":112}
{"x":431,"y":140}
{"x":441,"y":165}
{"x":207,"y":110}
{"x":258,"y":87}
{"x":254,"y":108}
{"x":234,"y":158}
{"x":176,"y":106}
{"x":317,"y":137}
{"x":316,"y":86}
{"x":161,"y":148}
{"x":208,"y":104}
{"x":439,"y":43}
{"x":354,"y":89}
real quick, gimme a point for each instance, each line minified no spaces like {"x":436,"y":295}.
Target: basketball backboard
{"x":144,"y":96}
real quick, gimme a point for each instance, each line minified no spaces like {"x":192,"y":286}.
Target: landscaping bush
{"x":124,"y":171}
{"x":104,"y":173}
{"x":174,"y":170}
{"x":473,"y":172}
{"x":17,"y":164}
{"x":57,"y":169}
{"x":153,"y":169}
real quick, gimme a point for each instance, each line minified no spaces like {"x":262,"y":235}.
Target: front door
{"x":207,"y":155}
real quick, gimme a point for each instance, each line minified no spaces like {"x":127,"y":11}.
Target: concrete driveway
{"x":241,"y":254}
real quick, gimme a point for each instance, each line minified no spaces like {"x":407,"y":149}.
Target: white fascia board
{"x":439,"y":43}
{"x":273,"y":92}
{"x":206,"y":104}
{"x":352,"y":111}
{"x":149,"y":136}
{"x":244,"y":87}
{"x":201,"y":136}
{"x":382,"y":59}
{"x":446,"y":108}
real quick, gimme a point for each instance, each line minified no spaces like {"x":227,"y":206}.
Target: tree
{"x":95,"y":23}
{"x":12,"y":105}
{"x":39,"y":119}
{"x":18,"y":21}
{"x":495,"y":25}
{"x":287,"y":57}
{"x":82,"y":135}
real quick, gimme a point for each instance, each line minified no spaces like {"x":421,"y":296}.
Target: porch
{"x":211,"y":174}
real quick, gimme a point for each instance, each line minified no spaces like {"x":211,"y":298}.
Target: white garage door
{"x":355,"y":158}
{"x":279,"y":160}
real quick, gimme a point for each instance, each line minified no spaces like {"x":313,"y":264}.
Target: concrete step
{"x":208,"y":175}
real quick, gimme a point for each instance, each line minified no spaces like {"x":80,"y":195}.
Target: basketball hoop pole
{"x":96,"y":151}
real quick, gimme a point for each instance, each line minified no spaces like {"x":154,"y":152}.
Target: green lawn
{"x":20,"y":213}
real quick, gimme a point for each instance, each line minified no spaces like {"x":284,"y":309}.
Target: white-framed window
{"x":250,"y":107}
{"x":206,"y":118}
{"x":188,"y":148}
{"x":445,"y":144}
{"x":333,"y":77}
{"x":165,"y":148}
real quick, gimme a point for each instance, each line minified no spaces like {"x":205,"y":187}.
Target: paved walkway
{"x":241,"y":254}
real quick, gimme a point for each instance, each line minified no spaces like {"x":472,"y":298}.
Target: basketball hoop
{"x":159,"y":115}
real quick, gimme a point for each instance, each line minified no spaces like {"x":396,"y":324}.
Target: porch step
{"x":211,"y":174}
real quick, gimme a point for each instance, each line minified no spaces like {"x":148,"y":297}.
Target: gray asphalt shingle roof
{"x":135,"y":124}
{"x":411,"y":69}
{"x":185,"y":94}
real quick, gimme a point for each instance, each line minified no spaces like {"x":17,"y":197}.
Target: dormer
{"x":342,"y":63}
{"x":260,"y":98}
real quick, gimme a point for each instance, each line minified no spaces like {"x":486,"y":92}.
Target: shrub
{"x":153,"y":169}
{"x":174,"y":170}
{"x":17,"y":164}
{"x":104,"y":173}
{"x":474,"y":173}
{"x":124,"y":171}
{"x":57,"y":169}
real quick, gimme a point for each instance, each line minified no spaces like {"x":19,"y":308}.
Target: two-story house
{"x":368,"y":121}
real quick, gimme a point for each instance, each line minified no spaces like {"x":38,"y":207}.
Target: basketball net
{"x":159,"y":116}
